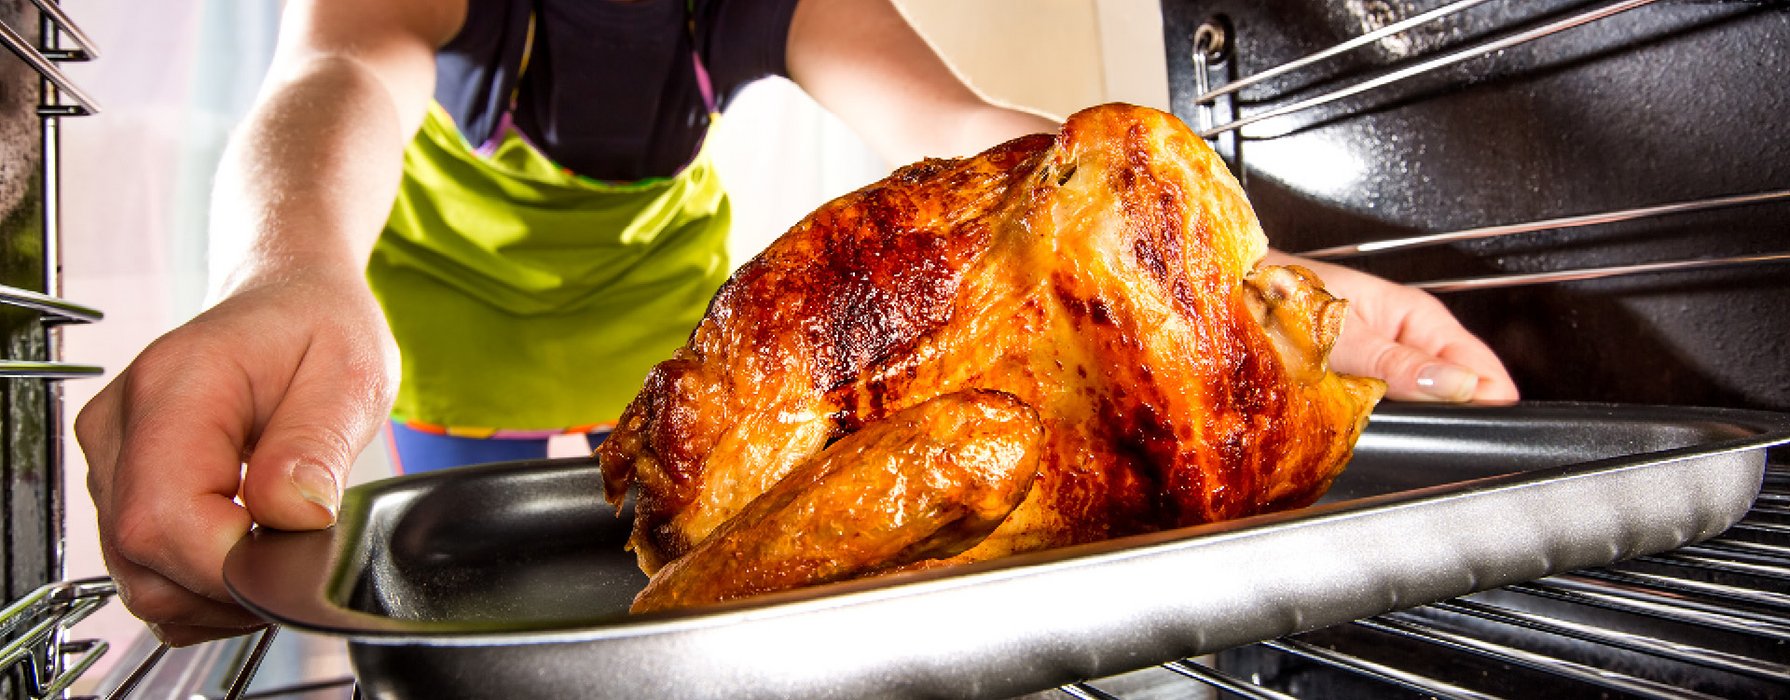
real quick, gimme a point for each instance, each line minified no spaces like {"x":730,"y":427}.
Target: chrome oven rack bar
{"x":141,"y":676}
{"x":1397,"y":75}
{"x":1734,"y":663}
{"x":1559,"y":224}
{"x":1567,"y":224}
{"x":1401,"y":625}
{"x":1663,"y":597}
{"x":1673,"y":597}
{"x":46,"y":66}
{"x":1382,"y":673}
{"x":38,"y":659}
{"x":83,"y":50}
{"x":1223,"y":681}
{"x":1469,"y":284}
{"x":36,"y":651}
{"x":1208,"y":95}
{"x":1204,"y":57}
{"x":55,"y":311}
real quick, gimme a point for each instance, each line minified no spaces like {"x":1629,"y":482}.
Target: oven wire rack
{"x":37,"y":654}
{"x":1756,"y":550}
{"x":1695,"y":586}
{"x":1211,"y":45}
{"x":37,"y":657}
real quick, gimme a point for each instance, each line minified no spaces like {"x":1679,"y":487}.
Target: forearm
{"x":309,"y":178}
{"x":962,"y":127}
{"x":863,"y":62}
{"x":986,"y":124}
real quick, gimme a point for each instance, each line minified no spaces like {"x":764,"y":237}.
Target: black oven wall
{"x":1670,"y":102}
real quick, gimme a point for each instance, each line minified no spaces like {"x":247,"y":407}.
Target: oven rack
{"x":54,"y":310}
{"x":1747,"y":599}
{"x":37,"y":654}
{"x":38,"y":658}
{"x":44,"y":61}
{"x":1564,"y":226}
{"x":1734,"y":584}
{"x":1390,"y":77}
{"x":159,"y":675}
{"x":1211,"y":45}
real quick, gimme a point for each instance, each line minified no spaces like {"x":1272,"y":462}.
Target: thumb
{"x":1410,"y":374}
{"x":300,"y":462}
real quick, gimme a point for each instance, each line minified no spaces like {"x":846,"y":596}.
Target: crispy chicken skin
{"x":926,"y":483}
{"x":1106,"y":279}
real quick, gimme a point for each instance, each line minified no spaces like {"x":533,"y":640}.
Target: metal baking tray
{"x":509,"y":580}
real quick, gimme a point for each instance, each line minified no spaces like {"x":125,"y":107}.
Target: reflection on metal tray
{"x":509,"y":580}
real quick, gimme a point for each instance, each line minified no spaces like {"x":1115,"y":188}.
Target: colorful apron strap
{"x":507,"y":120}
{"x":703,"y":83}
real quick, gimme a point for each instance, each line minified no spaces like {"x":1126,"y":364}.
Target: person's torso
{"x":558,"y":230}
{"x":610,"y":90}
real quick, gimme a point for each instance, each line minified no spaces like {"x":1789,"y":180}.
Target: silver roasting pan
{"x":509,"y":580}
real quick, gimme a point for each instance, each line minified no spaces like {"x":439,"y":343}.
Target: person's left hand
{"x":1407,"y":337}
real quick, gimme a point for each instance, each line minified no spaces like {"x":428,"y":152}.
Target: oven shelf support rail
{"x":1397,"y":75}
{"x":36,"y":651}
{"x":1375,"y":671}
{"x":38,"y":658}
{"x":1566,"y":224}
{"x":1687,"y":601}
{"x":1212,"y":42}
{"x":246,"y":666}
{"x":45,"y":66}
{"x":1558,"y":224}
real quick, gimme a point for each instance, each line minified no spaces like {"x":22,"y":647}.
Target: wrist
{"x":320,"y":271}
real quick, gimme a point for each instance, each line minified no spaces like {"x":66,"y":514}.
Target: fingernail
{"x":1446,"y":382}
{"x":317,"y":485}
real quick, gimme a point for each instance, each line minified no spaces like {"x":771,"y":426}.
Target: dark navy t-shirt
{"x":609,"y":89}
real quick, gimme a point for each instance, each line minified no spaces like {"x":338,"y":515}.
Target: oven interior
{"x":1597,"y":189}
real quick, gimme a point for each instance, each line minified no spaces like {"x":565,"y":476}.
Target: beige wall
{"x":1054,"y":56}
{"x":1131,"y":51}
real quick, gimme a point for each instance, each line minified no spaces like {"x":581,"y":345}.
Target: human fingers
{"x":1495,"y":385}
{"x":149,"y":596}
{"x":341,"y":393}
{"x":176,"y":615}
{"x":1429,"y":327}
{"x":1410,"y":374}
{"x":184,"y":410}
{"x":1407,"y":337}
{"x":97,"y":433}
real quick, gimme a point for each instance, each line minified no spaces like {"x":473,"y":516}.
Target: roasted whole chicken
{"x":1064,"y":339}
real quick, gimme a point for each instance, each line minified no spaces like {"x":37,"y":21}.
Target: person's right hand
{"x":290,"y":375}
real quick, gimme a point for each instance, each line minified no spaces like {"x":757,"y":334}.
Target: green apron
{"x":527,"y":300}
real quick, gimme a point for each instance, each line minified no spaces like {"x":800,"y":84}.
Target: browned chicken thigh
{"x":1058,"y":341}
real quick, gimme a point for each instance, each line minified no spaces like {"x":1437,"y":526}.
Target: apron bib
{"x":527,"y":300}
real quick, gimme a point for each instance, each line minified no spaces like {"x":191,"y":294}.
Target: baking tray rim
{"x":325,"y":616}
